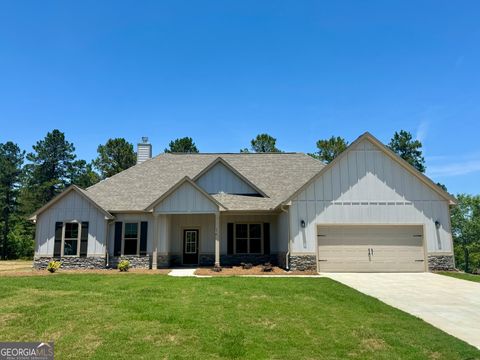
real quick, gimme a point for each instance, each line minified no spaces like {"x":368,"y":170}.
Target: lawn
{"x":463,"y":276}
{"x":124,"y":316}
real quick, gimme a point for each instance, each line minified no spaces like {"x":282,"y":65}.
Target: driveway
{"x":452,"y":305}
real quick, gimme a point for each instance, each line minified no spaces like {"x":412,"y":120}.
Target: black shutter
{"x":266,"y":238}
{"x":230,"y":238}
{"x":84,"y":239}
{"x":57,"y":247}
{"x":143,"y":237}
{"x":117,"y":245}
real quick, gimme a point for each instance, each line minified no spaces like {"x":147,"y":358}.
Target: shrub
{"x":123,"y":265}
{"x":246,"y":266}
{"x":53,"y":266}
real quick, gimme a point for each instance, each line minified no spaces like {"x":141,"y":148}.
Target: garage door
{"x":370,"y":248}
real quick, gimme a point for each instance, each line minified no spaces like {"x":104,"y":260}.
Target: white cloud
{"x":422,"y":130}
{"x":455,"y":166}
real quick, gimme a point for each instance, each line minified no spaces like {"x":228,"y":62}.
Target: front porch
{"x":215,"y":239}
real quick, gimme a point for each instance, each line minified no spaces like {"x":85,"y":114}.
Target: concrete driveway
{"x":449,"y":304}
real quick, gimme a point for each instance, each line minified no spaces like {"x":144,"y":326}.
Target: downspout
{"x":287,"y":255}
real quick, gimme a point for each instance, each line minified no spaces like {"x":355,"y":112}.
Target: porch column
{"x":217,"y":239}
{"x":155,"y":241}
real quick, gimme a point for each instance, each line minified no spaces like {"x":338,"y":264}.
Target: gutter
{"x":287,"y":255}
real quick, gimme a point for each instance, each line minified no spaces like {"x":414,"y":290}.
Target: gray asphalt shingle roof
{"x":278,"y":175}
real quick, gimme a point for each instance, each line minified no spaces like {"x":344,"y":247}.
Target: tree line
{"x":30,"y":180}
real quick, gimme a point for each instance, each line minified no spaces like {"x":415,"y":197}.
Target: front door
{"x":190,"y":247}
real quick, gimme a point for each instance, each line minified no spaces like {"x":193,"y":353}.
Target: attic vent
{"x":144,"y":150}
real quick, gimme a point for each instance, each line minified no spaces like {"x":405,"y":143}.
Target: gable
{"x":72,"y":192}
{"x":186,"y":199}
{"x":220,"y":179}
{"x":365,"y":173}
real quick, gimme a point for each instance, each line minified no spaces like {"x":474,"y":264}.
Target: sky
{"x":224,"y":71}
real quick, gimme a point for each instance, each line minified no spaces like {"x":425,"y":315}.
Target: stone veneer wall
{"x":302,"y":262}
{"x":41,"y":263}
{"x":441,"y":262}
{"x":136,"y":261}
{"x":232,"y":260}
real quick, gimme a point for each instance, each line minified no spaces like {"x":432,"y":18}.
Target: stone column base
{"x":441,"y":262}
{"x":302,"y":262}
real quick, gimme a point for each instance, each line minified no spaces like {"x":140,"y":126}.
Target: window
{"x":190,"y":241}
{"x":248,"y":238}
{"x":71,"y":239}
{"x":130,"y":239}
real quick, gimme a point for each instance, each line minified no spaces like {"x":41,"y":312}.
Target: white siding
{"x":282,"y":232}
{"x":72,"y":207}
{"x":221,"y":179}
{"x":368,"y":187}
{"x":186,"y":199}
{"x":272,"y":219}
{"x":205,"y":223}
{"x":131,"y":218}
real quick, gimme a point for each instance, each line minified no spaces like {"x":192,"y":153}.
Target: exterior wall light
{"x":302,"y":223}
{"x":437,"y":224}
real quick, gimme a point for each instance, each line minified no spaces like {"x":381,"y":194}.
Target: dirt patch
{"x":256,"y":270}
{"x":373,"y":344}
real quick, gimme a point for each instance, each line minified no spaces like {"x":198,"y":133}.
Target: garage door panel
{"x":371,"y":248}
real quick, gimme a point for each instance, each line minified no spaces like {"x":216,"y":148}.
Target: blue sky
{"x":224,"y":71}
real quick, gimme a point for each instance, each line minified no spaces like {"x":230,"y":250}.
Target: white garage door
{"x":370,"y":248}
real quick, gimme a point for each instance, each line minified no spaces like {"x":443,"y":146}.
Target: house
{"x":367,"y":211}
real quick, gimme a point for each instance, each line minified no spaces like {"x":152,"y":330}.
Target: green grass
{"x":124,"y":316}
{"x":463,"y":276}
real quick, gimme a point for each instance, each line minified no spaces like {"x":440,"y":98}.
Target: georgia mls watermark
{"x":26,"y":351}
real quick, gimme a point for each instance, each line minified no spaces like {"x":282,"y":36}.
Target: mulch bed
{"x":256,"y":270}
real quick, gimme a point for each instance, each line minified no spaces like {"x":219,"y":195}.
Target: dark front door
{"x":190,"y":247}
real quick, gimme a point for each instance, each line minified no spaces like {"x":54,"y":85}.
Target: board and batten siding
{"x":367,"y":187}
{"x":221,"y":179}
{"x":205,"y":223}
{"x":186,"y":199}
{"x":72,"y":207}
{"x":131,"y":218}
{"x":249,"y":218}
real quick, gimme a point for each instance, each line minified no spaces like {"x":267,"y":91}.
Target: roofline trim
{"x":176,"y":186}
{"x":231,"y":168}
{"x":368,"y":136}
{"x":62,"y":195}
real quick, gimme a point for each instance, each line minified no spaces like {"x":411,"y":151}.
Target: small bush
{"x":123,"y":265}
{"x":53,"y":266}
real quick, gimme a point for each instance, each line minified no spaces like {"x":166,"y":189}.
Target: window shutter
{"x":230,"y":238}
{"x":266,"y":238}
{"x":84,"y":239}
{"x":117,"y":246}
{"x":143,"y":237}
{"x":57,"y":247}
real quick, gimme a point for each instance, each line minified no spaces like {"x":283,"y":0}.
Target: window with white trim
{"x":131,"y":239}
{"x":248,"y":239}
{"x":71,"y":239}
